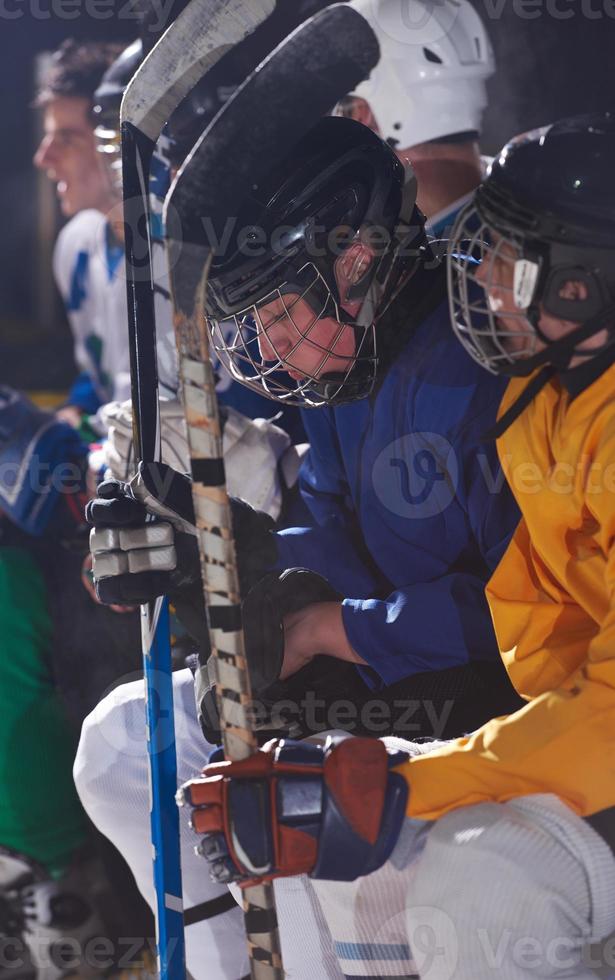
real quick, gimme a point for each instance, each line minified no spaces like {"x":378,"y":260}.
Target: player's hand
{"x":87,"y":579}
{"x":264,"y":613}
{"x":332,"y":811}
{"x":136,"y":560}
{"x":315,"y":629}
{"x":70,"y":414}
{"x":278,"y":624}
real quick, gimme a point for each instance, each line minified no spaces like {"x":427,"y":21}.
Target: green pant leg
{"x":40,"y":813}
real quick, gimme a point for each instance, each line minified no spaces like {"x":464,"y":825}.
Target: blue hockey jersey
{"x":413,"y":513}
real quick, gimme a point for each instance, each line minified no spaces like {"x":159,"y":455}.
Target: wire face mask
{"x":296,"y":346}
{"x":491,"y":288}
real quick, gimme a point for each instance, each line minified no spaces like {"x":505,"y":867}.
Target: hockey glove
{"x":273,"y":597}
{"x":263,"y":610}
{"x":332,"y":811}
{"x":135,"y":561}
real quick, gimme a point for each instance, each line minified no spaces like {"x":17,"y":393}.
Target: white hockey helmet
{"x":430,"y":81}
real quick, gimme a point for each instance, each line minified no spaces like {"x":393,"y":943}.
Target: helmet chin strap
{"x":328,"y":388}
{"x":559,"y":353}
{"x":553,"y":359}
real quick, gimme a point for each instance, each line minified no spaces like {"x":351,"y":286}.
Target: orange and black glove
{"x":333,"y":811}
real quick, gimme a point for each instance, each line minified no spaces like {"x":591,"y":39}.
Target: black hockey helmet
{"x":109,"y":94}
{"x":340,"y":185}
{"x":107,"y":102}
{"x":214,"y":89}
{"x":547,"y":208}
{"x":195,"y":112}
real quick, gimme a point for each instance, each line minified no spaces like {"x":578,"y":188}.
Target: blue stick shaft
{"x":136,"y":158}
{"x":164,"y":815}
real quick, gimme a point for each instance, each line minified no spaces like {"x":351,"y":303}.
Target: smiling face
{"x":68,"y":155}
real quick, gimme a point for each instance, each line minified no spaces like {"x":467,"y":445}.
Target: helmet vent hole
{"x":479,"y":52}
{"x":432,"y":56}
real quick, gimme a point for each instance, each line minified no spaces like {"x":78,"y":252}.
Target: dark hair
{"x":76,"y":70}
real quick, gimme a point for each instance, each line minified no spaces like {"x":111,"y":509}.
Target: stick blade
{"x":199,"y":37}
{"x":298,"y":83}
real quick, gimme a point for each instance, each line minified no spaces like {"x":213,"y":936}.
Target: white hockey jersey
{"x":89,"y":270}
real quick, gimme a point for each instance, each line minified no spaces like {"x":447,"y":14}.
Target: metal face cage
{"x":258,"y":347}
{"x":477,"y":318}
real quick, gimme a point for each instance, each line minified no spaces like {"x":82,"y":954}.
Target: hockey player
{"x":427,"y":96}
{"x":87,"y":250}
{"x":507,"y":836}
{"x":253,"y":450}
{"x":408,"y":528}
{"x":67,"y":152}
{"x":300,"y":350}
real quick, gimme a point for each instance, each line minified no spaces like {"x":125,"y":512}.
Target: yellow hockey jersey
{"x":552,"y":600}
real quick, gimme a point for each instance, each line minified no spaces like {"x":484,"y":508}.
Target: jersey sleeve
{"x":70,"y":269}
{"x":443,"y":619}
{"x":91,"y":297}
{"x":334,"y":545}
{"x":563,"y":740}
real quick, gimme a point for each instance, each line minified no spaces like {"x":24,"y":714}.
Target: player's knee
{"x":487,"y":887}
{"x":112,"y":748}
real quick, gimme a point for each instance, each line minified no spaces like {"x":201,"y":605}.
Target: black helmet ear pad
{"x":574,"y":310}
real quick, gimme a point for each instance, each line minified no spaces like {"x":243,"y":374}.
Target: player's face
{"x":496,"y":275}
{"x":68,"y":155}
{"x":307,"y":346}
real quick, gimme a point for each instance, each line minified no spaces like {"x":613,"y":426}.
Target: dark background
{"x":555,"y":58}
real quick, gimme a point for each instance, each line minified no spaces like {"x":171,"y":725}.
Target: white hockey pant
{"x":514,"y":891}
{"x":111,"y":775}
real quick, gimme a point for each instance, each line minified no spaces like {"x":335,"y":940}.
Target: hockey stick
{"x":200,"y":36}
{"x":194,"y":43}
{"x":299,"y":82}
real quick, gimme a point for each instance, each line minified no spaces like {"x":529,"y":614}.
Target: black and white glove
{"x":136,"y":559}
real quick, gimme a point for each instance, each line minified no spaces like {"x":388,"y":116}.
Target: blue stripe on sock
{"x":372,"y":951}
